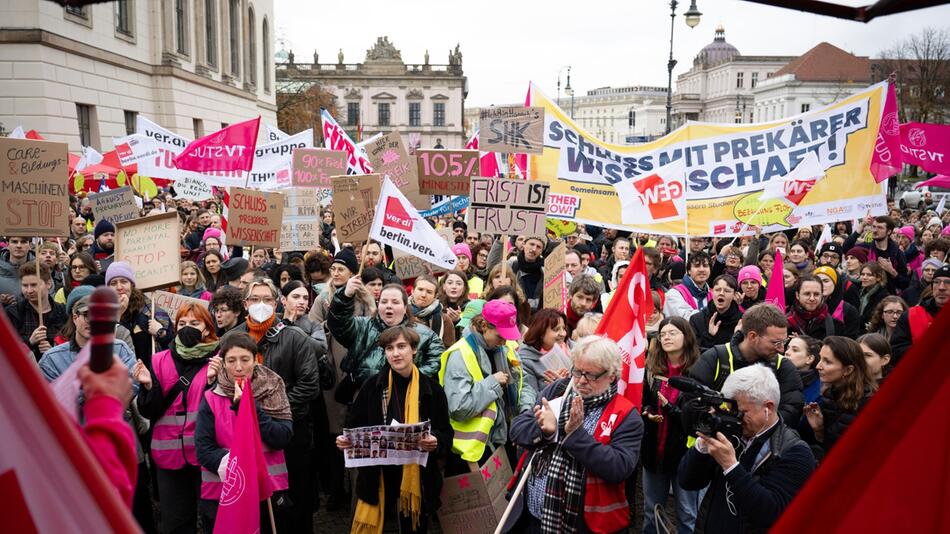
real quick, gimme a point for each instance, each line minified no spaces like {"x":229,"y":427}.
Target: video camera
{"x":707,"y":411}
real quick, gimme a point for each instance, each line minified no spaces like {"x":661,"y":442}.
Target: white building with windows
{"x":423,"y":101}
{"x":83,"y":75}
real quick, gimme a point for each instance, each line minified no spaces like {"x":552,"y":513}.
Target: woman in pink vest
{"x":214,"y":432}
{"x":169,"y":397}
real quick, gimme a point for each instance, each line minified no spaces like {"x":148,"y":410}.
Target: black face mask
{"x":189,"y":336}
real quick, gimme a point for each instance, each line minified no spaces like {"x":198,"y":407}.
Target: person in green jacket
{"x":365,"y":358}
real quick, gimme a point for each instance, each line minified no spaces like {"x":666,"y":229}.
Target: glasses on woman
{"x":79,"y":267}
{"x":893,"y":312}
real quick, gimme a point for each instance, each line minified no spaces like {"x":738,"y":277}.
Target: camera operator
{"x":749,"y":484}
{"x":760,"y":340}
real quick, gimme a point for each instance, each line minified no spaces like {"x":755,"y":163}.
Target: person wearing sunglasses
{"x":760,"y":338}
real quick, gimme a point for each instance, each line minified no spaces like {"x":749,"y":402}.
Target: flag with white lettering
{"x":655,"y":197}
{"x":399,"y":225}
{"x":335,"y":138}
{"x":228,"y":149}
{"x":887,"y":160}
{"x":273,"y":133}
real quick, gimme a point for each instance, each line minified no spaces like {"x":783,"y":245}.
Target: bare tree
{"x":299,"y":103}
{"x":922,"y":65}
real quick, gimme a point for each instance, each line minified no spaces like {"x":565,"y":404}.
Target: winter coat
{"x":10,"y":274}
{"x":532,"y":367}
{"x":893,"y":253}
{"x":873,"y":300}
{"x":675,"y":444}
{"x":364,"y":357}
{"x":728,"y":320}
{"x":837,"y":419}
{"x":901,"y":339}
{"x":24,"y":318}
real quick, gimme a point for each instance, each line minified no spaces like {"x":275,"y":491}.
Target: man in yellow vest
{"x":484,"y":385}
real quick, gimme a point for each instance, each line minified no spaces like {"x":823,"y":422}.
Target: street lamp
{"x":568,"y":67}
{"x":692,"y":20}
{"x":567,"y":89}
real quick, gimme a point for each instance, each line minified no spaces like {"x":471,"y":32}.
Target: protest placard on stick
{"x":313,"y":167}
{"x":300,"y":228}
{"x":171,"y":302}
{"x":34,"y":195}
{"x":151,"y":246}
{"x":408,"y":266}
{"x":555,"y":283}
{"x":390,"y":158}
{"x":192,"y":188}
{"x":115,"y":206}
{"x":473,"y":503}
{"x":446,"y":172}
{"x":514,"y":129}
{"x":506,"y":206}
{"x":354,"y":204}
{"x":254,"y":217}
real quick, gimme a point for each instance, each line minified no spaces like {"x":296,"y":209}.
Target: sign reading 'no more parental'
{"x":151,"y":246}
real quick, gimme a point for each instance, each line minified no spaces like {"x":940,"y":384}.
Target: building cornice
{"x":52,"y":40}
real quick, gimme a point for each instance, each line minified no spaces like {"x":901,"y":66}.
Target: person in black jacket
{"x":836,"y":288}
{"x":714,"y":325}
{"x":749,"y":488}
{"x":24,"y":314}
{"x":847,"y":386}
{"x":873,"y":291}
{"x":883,"y":250}
{"x":763,"y":334}
{"x":809,"y":314}
{"x":904,"y":335}
{"x":408,"y":397}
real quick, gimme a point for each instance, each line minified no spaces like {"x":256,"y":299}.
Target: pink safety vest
{"x":173,"y":435}
{"x":224,"y":418}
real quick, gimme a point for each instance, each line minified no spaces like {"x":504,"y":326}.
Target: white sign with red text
{"x":399,"y":225}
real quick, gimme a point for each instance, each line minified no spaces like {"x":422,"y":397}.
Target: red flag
{"x":775,"y":291}
{"x":488,"y":161}
{"x":229,"y":149}
{"x":892,"y":461}
{"x":625,"y":322}
{"x":245,"y":484}
{"x":886,"y":160}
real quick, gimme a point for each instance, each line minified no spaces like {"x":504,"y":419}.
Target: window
{"x":632,"y":118}
{"x":739,"y":81}
{"x":352,"y":113}
{"x":131,"y":117}
{"x":77,"y":11}
{"x":180,"y":36}
{"x":252,"y":48}
{"x":199,"y":127}
{"x":415,"y":114}
{"x":123,"y":17}
{"x":234,"y":36}
{"x":805,"y":108}
{"x":438,"y":114}
{"x":755,"y":79}
{"x":265,"y":56}
{"x":383,"y":114}
{"x":84,"y":118}
{"x":211,"y":33}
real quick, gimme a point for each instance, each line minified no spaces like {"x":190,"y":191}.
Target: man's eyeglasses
{"x":590,"y":377}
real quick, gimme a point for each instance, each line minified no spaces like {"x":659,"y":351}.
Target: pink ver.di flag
{"x":886,"y":160}
{"x":927,"y":146}
{"x":775,"y":291}
{"x":228,"y":149}
{"x":246,"y":483}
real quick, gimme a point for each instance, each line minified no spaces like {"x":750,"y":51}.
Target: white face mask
{"x":260,"y":312}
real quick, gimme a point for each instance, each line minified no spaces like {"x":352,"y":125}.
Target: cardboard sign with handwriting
{"x":354,"y":205}
{"x":473,"y":503}
{"x":192,"y":188}
{"x":300,"y":229}
{"x":446,"y":172}
{"x":555,"y":286}
{"x":151,"y":246}
{"x":514,"y":129}
{"x":34,"y":195}
{"x":115,"y":206}
{"x":408,"y":266}
{"x":313,"y":167}
{"x":254,"y":218}
{"x":171,"y":302}
{"x":508,"y":206}
{"x":390,"y":158}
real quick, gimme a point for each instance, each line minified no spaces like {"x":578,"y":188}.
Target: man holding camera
{"x":752,"y":481}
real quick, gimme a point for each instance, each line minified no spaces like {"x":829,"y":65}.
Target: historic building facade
{"x":423,"y":101}
{"x":83,"y":75}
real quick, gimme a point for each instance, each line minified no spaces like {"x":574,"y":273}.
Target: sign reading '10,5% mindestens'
{"x":446,"y":172}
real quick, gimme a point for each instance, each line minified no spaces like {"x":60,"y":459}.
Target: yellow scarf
{"x":368,"y":518}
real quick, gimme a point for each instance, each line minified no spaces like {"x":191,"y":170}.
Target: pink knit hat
{"x":750,"y":272}
{"x":461,"y":249}
{"x":211,"y":232}
{"x":908,"y":231}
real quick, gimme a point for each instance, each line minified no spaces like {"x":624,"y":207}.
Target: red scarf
{"x":800,"y":320}
{"x":257,"y":331}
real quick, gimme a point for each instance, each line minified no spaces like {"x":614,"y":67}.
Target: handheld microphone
{"x":103,"y":315}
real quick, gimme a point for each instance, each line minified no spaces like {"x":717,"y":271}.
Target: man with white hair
{"x":753,"y":481}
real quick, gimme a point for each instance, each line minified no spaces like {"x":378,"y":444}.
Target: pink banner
{"x":228,"y":149}
{"x":335,"y":138}
{"x":775,"y":290}
{"x":886,"y":161}
{"x":926,"y":145}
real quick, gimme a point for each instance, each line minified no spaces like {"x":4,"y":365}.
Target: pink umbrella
{"x":941,"y":180}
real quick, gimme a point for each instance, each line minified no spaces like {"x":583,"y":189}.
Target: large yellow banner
{"x":726,"y":168}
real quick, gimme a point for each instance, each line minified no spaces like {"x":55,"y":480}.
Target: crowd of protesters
{"x":323,"y":335}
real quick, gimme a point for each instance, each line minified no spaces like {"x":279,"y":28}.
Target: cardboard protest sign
{"x":555,"y":282}
{"x":446,"y":172}
{"x":354,"y":204}
{"x":390,"y":158}
{"x":34,"y":195}
{"x":254,"y":218}
{"x":192,"y":188}
{"x":506,"y":206}
{"x":473,"y":503}
{"x":514,"y":129}
{"x":408,"y":266}
{"x":151,"y":246}
{"x":115,"y":206}
{"x":313,"y":167}
{"x":171,"y":302}
{"x":300,"y":228}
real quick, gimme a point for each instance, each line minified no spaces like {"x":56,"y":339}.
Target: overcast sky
{"x":506,"y":44}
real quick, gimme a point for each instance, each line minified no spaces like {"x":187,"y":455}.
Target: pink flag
{"x":927,"y":146}
{"x":886,"y":160}
{"x":246,"y":483}
{"x":335,"y":138}
{"x":488,"y":161}
{"x":625,"y":322}
{"x":229,"y":149}
{"x":775,"y":292}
